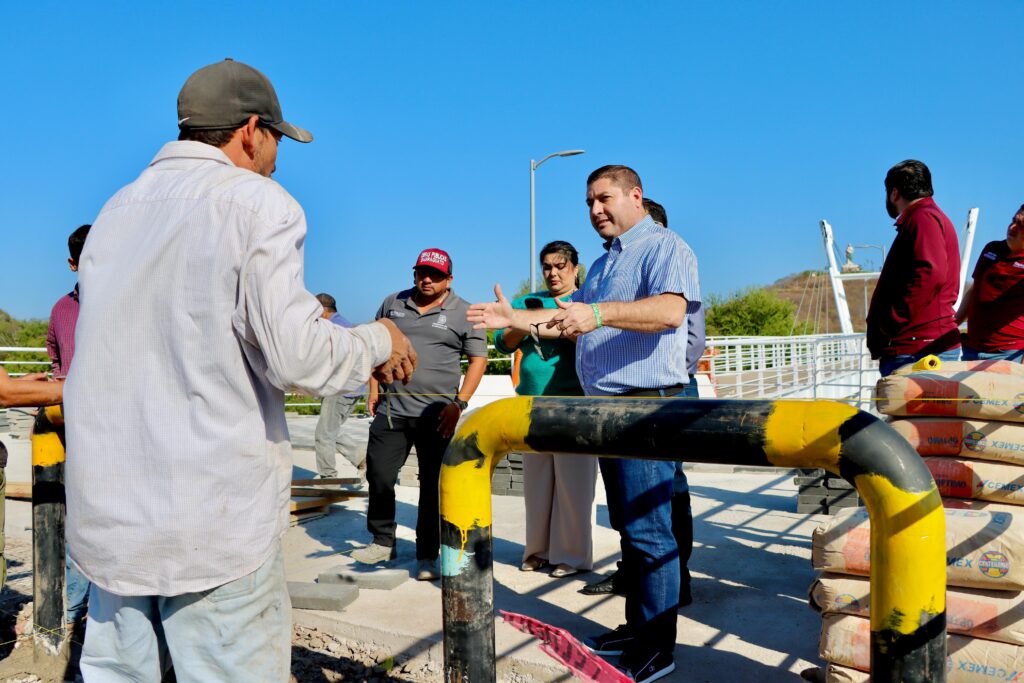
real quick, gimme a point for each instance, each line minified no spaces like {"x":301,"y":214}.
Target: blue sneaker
{"x":644,"y":665}
{"x":611,"y":643}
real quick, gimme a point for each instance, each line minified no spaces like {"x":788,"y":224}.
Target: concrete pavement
{"x":751,"y":566}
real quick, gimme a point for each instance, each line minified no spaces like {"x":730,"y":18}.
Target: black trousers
{"x":386,"y":453}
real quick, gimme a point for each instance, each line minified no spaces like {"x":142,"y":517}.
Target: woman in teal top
{"x":559,"y":490}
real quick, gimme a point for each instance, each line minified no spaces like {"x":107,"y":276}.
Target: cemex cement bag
{"x":983,"y":549}
{"x":846,"y":640}
{"x":995,"y":481}
{"x":992,"y":615}
{"x":975,"y":439}
{"x":953,"y":368}
{"x":984,"y":395}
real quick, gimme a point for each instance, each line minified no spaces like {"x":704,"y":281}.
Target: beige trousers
{"x":559,"y":493}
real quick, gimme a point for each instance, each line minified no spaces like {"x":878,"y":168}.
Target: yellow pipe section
{"x":466,"y":487}
{"x":47,"y":447}
{"x":908,"y":529}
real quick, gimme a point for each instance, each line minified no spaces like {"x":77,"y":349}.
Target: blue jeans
{"x":78,"y":592}
{"x":1015,"y":355}
{"x":889,"y":364}
{"x":240,"y":631}
{"x":640,"y":494}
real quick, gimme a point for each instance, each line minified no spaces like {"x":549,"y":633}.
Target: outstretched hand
{"x":494,"y":315}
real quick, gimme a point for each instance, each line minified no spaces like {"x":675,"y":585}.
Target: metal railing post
{"x":49,"y":633}
{"x":908,"y":554}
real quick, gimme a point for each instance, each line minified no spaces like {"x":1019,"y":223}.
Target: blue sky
{"x":749,"y":121}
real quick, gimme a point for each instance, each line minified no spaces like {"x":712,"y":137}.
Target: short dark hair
{"x":76,"y":241}
{"x":327,"y":301}
{"x":911,"y":178}
{"x":656,"y":210}
{"x":214,"y":138}
{"x":623,"y":176}
{"x":565,"y":249}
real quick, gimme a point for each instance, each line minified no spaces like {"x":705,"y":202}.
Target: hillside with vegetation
{"x":802,"y":303}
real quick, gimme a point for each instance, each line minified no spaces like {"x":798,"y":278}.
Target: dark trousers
{"x":387,"y":450}
{"x":682,"y":515}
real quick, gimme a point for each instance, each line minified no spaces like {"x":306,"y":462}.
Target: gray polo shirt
{"x":440,"y":336}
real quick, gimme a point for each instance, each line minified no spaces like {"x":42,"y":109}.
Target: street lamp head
{"x":571,"y":152}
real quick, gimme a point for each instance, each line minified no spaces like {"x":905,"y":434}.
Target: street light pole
{"x":533,"y":210}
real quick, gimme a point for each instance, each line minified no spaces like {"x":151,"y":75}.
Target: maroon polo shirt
{"x":912,"y":307}
{"x":60,"y":335}
{"x":995,"y":313}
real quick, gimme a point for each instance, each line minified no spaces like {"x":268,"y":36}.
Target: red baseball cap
{"x":436,"y":259}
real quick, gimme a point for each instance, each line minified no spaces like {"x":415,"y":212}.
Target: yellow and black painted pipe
{"x":908,"y":555}
{"x":48,"y":514}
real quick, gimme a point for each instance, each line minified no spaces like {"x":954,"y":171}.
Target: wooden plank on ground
{"x":334,"y":494}
{"x":337,"y":481}
{"x":19,"y":490}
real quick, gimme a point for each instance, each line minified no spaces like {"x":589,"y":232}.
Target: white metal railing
{"x":811,"y":366}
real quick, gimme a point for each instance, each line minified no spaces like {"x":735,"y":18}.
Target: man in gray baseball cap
{"x":225,"y":95}
{"x":178,"y":494}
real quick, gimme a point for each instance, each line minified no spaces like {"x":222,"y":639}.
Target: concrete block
{"x":333,"y":597}
{"x":369,"y":578}
{"x":845,"y":503}
{"x":814,"y":491}
{"x":837,"y":483}
{"x":836,"y":495}
{"x":811,"y":509}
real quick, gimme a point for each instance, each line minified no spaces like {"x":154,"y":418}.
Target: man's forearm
{"x":523,"y":319}
{"x":14,"y":393}
{"x":474,"y":373}
{"x":653,"y":314}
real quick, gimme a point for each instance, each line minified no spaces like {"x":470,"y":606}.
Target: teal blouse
{"x":553,"y":375}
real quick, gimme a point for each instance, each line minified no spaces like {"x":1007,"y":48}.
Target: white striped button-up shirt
{"x":645,"y":261}
{"x":194,"y":320}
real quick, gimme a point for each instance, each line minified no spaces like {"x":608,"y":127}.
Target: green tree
{"x":752,"y":312}
{"x":23,"y":333}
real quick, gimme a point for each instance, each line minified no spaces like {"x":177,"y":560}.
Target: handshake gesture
{"x":402,"y":363}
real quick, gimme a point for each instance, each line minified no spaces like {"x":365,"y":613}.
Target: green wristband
{"x":597,"y":316}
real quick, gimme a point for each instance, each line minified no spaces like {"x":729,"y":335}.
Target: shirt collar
{"x":190,"y":149}
{"x":910,"y":210}
{"x":633,"y":234}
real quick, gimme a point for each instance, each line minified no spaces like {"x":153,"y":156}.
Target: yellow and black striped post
{"x":908,"y":555}
{"x":48,"y":508}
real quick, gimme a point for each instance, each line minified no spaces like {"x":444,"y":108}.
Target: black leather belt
{"x":673,"y":390}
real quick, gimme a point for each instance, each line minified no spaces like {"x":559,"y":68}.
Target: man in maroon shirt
{"x":994,"y":303}
{"x":60,"y":345}
{"x":911,"y":313}
{"x":60,"y":336}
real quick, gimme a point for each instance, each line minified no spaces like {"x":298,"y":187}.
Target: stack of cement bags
{"x":967,"y":420}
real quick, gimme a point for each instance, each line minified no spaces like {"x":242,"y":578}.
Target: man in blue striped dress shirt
{"x":628,"y":321}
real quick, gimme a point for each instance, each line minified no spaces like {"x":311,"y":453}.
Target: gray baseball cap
{"x":224,"y":95}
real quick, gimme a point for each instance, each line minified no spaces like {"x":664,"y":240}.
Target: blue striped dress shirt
{"x":645,"y":261}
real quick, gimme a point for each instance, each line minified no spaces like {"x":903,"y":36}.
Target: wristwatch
{"x":460,"y":403}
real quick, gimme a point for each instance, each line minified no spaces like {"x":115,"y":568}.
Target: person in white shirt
{"x":194,"y":322}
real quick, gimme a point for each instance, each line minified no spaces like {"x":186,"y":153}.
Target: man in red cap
{"x":422,"y":413}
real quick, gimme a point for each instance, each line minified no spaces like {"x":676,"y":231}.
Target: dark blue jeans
{"x":889,"y":364}
{"x":641,"y":492}
{"x":1015,"y":355}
